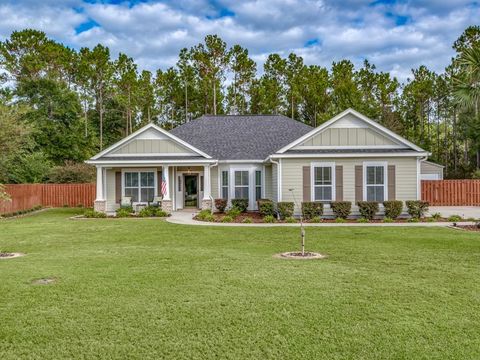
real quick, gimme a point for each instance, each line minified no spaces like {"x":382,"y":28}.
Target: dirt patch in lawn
{"x":298,"y":255}
{"x":44,"y":281}
{"x":5,"y":255}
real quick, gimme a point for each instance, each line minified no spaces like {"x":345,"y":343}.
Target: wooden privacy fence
{"x":27,"y":196}
{"x":451,"y":192}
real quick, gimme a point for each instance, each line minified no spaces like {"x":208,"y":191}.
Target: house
{"x":348,"y":158}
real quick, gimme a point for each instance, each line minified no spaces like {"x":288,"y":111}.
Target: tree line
{"x":59,"y":106}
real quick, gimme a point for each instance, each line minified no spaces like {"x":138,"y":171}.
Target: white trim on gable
{"x":360,"y":116}
{"x":145,"y":129}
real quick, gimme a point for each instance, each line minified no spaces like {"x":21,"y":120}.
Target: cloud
{"x":394,"y":35}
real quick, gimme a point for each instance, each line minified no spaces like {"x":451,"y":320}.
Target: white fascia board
{"x":149,"y":162}
{"x":343,"y":155}
{"x":241,"y":161}
{"x":374,"y":124}
{"x":141,"y":130}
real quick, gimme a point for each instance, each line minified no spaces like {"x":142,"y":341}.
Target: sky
{"x":396,"y":36}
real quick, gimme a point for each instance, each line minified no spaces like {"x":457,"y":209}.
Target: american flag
{"x":164,"y":184}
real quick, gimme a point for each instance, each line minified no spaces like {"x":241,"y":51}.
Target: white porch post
{"x":206,"y":183}
{"x":100,"y":187}
{"x":100,"y":203}
{"x":166,"y":176}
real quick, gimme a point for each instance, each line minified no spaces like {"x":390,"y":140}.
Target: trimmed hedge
{"x":341,"y":209}
{"x":368,"y":209}
{"x":393,"y":208}
{"x":221,"y":204}
{"x":416,"y":208}
{"x":312,"y":209}
{"x":285,"y":209}
{"x":266,"y":207}
{"x":240,"y":204}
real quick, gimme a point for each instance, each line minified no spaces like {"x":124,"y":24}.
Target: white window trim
{"x":262,"y":180}
{"x":313,"y":165}
{"x":138,"y":170}
{"x":384,"y":164}
{"x":233,"y":186}
{"x":251,"y":182}
{"x":220,"y":181}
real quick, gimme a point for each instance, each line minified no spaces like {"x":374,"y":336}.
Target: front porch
{"x":178,"y":186}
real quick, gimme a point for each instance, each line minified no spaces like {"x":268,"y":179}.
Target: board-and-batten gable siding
{"x":152,"y":146}
{"x":347,"y":137}
{"x":429,"y":168}
{"x":405,"y":174}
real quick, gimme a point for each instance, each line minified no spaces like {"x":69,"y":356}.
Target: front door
{"x":191,"y":191}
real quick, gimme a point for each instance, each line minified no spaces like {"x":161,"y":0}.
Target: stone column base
{"x":167,"y":206}
{"x":206,"y":204}
{"x":100,"y":205}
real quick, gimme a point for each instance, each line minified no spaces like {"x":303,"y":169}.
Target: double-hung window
{"x":140,"y":185}
{"x":241,"y":184}
{"x":323,"y":179}
{"x":225,"y":184}
{"x":375,"y":182}
{"x":258,"y":184}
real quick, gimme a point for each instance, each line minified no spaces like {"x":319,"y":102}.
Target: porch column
{"x":100,"y":202}
{"x":166,"y":178}
{"x":207,"y":187}
{"x":167,"y":204}
{"x":206,"y":183}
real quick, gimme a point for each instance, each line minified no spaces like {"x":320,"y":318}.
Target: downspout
{"x":210,"y":196}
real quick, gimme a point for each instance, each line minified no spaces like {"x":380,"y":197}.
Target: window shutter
{"x":358,"y":183}
{"x":159,"y":183}
{"x":306,"y":184}
{"x":391,"y":182}
{"x":118,"y":187}
{"x":339,"y":183}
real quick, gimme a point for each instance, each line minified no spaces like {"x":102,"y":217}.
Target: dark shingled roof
{"x":241,"y":137}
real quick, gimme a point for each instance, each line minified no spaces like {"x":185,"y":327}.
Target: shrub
{"x":247,"y":220}
{"x":340,"y":220}
{"x":123,"y":212}
{"x":393,"y":208}
{"x":367,"y":209}
{"x":151,"y":211}
{"x":316,"y":219}
{"x":90,"y":213}
{"x":312,"y":209}
{"x":413,"y":220}
{"x":203,"y":215}
{"x":341,"y":209}
{"x":363,"y":220}
{"x":265,"y":207}
{"x":160,"y":213}
{"x":285,"y":209}
{"x":221,"y":204}
{"x":227,"y":219}
{"x":387,"y":220}
{"x":454,"y":218}
{"x":72,"y":172}
{"x":429,"y":219}
{"x":436,"y":216}
{"x":290,"y":220}
{"x":240,"y":204}
{"x":416,"y":208}
{"x":233,"y":212}
{"x":269,"y":219}
{"x":128,"y":208}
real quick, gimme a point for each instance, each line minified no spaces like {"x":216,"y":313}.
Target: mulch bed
{"x":467,"y":227}
{"x":257,"y":218}
{"x":298,"y":255}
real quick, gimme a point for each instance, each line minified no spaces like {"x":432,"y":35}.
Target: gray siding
{"x":406,"y":176}
{"x":214,"y":181}
{"x":152,"y":146}
{"x":347,"y":137}
{"x":274,"y":182}
{"x":431,"y":168}
{"x":268,"y":182}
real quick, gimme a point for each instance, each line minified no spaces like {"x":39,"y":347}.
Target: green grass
{"x":144,"y":288}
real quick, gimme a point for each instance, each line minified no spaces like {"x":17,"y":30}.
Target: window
{"x":375,"y":183}
{"x":201,"y":183}
{"x":225,"y":184}
{"x":140,"y":186}
{"x":323,"y":180}
{"x":258,"y":184}
{"x":241,"y":184}
{"x":180,"y":183}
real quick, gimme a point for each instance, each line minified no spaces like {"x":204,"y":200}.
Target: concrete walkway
{"x":186,"y":218}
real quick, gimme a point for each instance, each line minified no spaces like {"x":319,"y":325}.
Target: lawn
{"x":144,"y":288}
